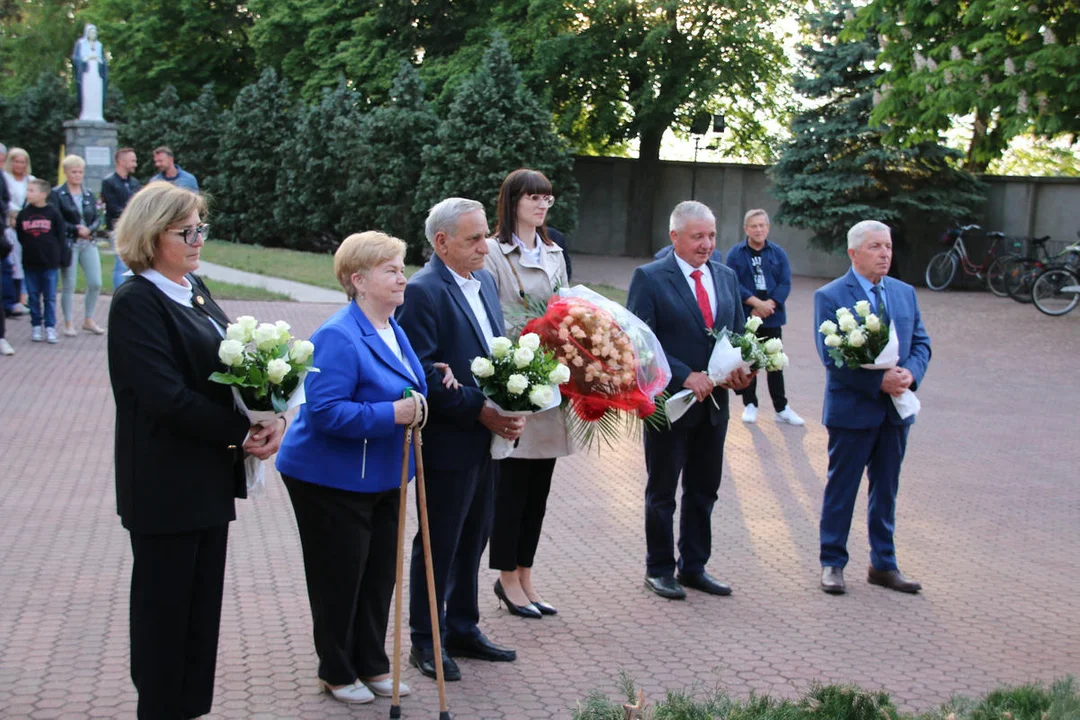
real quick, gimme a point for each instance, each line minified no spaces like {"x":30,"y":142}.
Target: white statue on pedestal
{"x":91,"y":75}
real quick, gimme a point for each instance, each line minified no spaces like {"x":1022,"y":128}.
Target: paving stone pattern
{"x":989,"y":521}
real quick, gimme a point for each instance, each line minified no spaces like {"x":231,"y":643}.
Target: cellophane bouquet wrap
{"x":859,"y":340}
{"x":617,"y":367}
{"x":733,"y":351}
{"x":265,"y":366}
{"x":519,"y":379}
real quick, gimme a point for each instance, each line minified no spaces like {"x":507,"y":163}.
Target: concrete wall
{"x":1016,"y":206}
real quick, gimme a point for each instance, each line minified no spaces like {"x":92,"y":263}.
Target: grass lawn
{"x":220,"y":290}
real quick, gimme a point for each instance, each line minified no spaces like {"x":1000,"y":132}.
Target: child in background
{"x":43,"y":236}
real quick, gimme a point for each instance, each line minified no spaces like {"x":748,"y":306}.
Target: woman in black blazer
{"x":180,"y":446}
{"x":79,"y":208}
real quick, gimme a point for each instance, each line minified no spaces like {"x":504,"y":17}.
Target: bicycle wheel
{"x":1019,"y":277}
{"x":1050,"y":294}
{"x":995,"y":275}
{"x":940,"y":271}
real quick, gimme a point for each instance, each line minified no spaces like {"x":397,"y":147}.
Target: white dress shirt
{"x":470,"y":287}
{"x":706,"y":280}
{"x":388,"y":337}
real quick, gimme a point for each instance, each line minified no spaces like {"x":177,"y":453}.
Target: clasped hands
{"x":761,"y":308}
{"x":896,"y":380}
{"x":264,"y":440}
{"x":702,"y":385}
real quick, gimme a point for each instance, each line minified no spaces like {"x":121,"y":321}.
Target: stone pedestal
{"x":94,"y":142}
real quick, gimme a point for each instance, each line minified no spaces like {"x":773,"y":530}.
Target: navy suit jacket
{"x":345,"y":436}
{"x":442,"y":328}
{"x":660,"y":295}
{"x":853,"y":398}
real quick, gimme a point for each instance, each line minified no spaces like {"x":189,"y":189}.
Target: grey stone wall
{"x":94,"y":142}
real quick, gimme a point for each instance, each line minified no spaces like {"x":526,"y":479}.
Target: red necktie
{"x":702,"y":299}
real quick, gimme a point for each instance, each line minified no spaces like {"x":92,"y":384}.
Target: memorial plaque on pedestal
{"x":98,"y":155}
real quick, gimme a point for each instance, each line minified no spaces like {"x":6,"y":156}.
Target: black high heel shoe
{"x":526,"y":611}
{"x":544,"y":608}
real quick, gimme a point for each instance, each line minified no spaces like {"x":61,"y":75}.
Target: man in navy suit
{"x":683,"y":297}
{"x":865,"y":431}
{"x":450,"y":315}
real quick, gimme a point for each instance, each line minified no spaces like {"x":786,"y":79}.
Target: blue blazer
{"x":853,"y":398}
{"x":442,"y":328}
{"x":777,"y":271}
{"x":345,"y":436}
{"x":660,"y":295}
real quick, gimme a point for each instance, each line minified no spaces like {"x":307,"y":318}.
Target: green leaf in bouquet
{"x":225,"y":378}
{"x":278,"y":401}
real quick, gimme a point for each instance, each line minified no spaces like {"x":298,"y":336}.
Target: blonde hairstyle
{"x":361,"y":252}
{"x":73,"y":161}
{"x":17,"y":152}
{"x":148,"y":214}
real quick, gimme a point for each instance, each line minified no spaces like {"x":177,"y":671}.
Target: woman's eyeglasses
{"x":544,"y":201}
{"x":190,"y":236}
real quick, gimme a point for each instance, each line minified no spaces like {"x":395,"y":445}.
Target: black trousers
{"x":521,"y":493}
{"x":697,"y":452}
{"x":175,"y":614}
{"x":775,"y":379}
{"x":349,"y":542}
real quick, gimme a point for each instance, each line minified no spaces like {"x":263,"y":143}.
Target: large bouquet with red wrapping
{"x":617,"y":367}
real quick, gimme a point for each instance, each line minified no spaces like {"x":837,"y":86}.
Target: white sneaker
{"x":50,"y":336}
{"x":36,"y":334}
{"x":357,"y":693}
{"x":5,"y":347}
{"x":749,"y":415}
{"x":385,"y":687}
{"x":789,"y":416}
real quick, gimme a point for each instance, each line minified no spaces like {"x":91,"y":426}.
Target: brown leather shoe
{"x":892,"y":579}
{"x":832,"y":580}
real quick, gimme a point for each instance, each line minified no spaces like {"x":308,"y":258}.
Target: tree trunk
{"x":977,"y":150}
{"x":639,"y":231}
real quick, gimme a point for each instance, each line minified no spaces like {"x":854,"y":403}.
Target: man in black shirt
{"x":115,"y":192}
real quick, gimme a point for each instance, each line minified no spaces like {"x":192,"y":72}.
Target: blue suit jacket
{"x":853,"y":398}
{"x":442,"y":328}
{"x":345,"y":436}
{"x":660,"y":295}
{"x":777,"y":271}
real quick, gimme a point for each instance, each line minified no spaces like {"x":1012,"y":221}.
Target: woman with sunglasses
{"x":180,"y":446}
{"x":528,"y":267}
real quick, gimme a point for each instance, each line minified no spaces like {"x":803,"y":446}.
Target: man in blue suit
{"x":682,"y":298}
{"x":450,"y":315}
{"x":865,"y":431}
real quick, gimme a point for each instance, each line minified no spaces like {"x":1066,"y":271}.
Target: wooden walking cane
{"x":403,"y":496}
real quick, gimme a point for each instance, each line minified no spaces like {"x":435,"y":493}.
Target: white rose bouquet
{"x":860,"y":341}
{"x":265,"y":366}
{"x":519,"y":380}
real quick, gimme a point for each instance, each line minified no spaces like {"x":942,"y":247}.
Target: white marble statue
{"x":91,"y":74}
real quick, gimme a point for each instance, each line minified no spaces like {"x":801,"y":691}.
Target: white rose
{"x":301,"y":351}
{"x":248,"y":323}
{"x":517,"y":384}
{"x":231,"y":352}
{"x":848,"y":323}
{"x":827,"y":328}
{"x":266,"y":336}
{"x":541,"y":395}
{"x":776,"y":362}
{"x":560,"y":375}
{"x":753,"y":323}
{"x":529,"y":340}
{"x":482,"y":368}
{"x":833,"y":341}
{"x":237,"y":332}
{"x":276,"y":370}
{"x":856,"y":338}
{"x":873,"y":323}
{"x":500,"y":346}
{"x":773,"y":346}
{"x":284,"y":335}
{"x":862,"y":308}
{"x":522,"y":357}
{"x":841,"y":312}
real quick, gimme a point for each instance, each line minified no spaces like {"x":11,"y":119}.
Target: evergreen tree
{"x":838,"y":170}
{"x":190,"y":129}
{"x":496,"y":125}
{"x":248,"y":163}
{"x":34,"y":120}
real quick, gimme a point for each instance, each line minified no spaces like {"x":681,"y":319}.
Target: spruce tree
{"x":496,"y":125}
{"x":838,"y":170}
{"x":189,"y":129}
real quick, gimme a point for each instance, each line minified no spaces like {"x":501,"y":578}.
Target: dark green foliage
{"x":190,"y":129}
{"x":495,"y":125}
{"x":34,"y":120}
{"x":244,"y":186}
{"x":839,"y":170}
{"x":36,"y":38}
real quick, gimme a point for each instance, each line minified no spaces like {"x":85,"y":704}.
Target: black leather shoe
{"x":544,"y":608}
{"x":423,"y":659}
{"x":666,"y":587}
{"x":832,"y":580}
{"x":525,"y":611}
{"x":892,"y":579}
{"x":479,"y":648}
{"x":704,"y":582}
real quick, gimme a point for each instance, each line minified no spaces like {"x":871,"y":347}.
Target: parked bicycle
{"x":941,"y":270}
{"x":1056,"y":290}
{"x":1020,"y":273}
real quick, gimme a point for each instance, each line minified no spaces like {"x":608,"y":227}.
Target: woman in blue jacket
{"x":341,"y":462}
